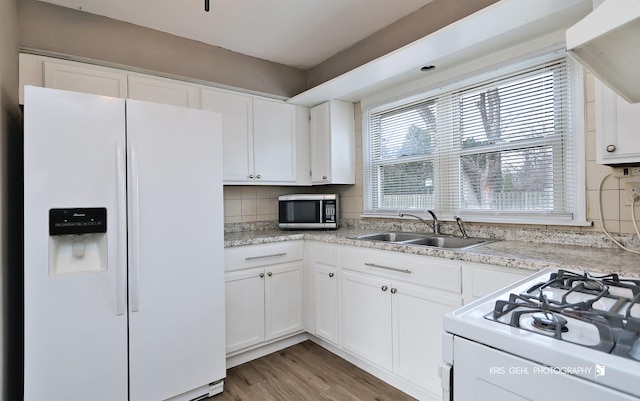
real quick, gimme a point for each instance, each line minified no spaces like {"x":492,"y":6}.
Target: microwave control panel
{"x":330,"y":211}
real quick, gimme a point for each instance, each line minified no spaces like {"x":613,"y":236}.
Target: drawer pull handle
{"x":388,"y":268}
{"x":265,"y":256}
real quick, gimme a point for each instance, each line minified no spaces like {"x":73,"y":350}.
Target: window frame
{"x":575,"y":193}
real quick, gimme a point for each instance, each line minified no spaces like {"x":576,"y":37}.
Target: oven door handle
{"x":446,"y":375}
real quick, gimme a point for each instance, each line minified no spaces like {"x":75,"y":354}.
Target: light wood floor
{"x":305,"y":371}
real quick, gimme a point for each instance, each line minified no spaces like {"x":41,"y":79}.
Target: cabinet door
{"x":417,"y":333}
{"x":93,"y":79}
{"x":366,"y":318}
{"x":274,"y":141}
{"x":320,"y":144}
{"x":283,"y":300}
{"x":326,"y":302}
{"x":244,"y":308}
{"x":165,"y":91}
{"x":333,"y":143}
{"x":616,"y":127}
{"x":237,"y":132}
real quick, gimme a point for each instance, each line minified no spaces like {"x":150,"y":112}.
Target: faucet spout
{"x":436,"y":223}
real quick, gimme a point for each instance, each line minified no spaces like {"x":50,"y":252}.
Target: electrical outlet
{"x":632,"y":191}
{"x":623,"y":172}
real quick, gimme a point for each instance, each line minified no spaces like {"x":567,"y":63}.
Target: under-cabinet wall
{"x":617,"y":215}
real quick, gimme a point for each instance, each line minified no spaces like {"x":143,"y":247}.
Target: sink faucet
{"x":461,"y":227}
{"x":436,"y":222}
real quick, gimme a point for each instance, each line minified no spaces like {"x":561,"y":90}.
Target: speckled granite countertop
{"x":517,"y":254}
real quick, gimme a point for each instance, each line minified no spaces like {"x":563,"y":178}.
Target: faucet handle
{"x":461,"y":226}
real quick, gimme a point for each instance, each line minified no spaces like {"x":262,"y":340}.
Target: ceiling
{"x":298,"y":33}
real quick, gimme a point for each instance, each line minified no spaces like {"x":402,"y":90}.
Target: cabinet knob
{"x":330,"y":274}
{"x":261,"y":275}
{"x":394,"y":290}
{"x":384,"y":288}
{"x":269,"y":274}
{"x":611,"y":148}
{"x":251,"y":176}
{"x":258,"y":176}
{"x":324,"y":177}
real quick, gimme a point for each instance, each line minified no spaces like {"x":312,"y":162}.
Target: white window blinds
{"x":501,"y":146}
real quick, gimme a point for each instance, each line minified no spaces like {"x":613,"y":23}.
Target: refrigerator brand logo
{"x":600,"y":370}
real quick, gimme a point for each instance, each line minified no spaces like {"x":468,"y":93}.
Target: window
{"x":501,"y":148}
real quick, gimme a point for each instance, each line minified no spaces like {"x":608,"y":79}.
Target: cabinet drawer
{"x":421,"y":270}
{"x":485,"y":279}
{"x":244,"y":257}
{"x":326,"y":254}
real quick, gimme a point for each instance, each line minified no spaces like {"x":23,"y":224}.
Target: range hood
{"x":607,"y":42}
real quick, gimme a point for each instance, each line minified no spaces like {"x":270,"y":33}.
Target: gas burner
{"x":547,"y":321}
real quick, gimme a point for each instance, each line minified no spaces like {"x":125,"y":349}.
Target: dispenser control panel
{"x":77,"y":221}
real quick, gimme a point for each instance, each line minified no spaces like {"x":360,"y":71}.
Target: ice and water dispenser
{"x":77,"y":241}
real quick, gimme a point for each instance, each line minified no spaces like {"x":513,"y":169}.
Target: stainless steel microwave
{"x":308,"y":211}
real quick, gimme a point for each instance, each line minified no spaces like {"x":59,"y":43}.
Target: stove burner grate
{"x":546,"y":309}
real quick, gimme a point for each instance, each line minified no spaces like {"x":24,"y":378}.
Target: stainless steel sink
{"x":428,"y":240}
{"x":391,"y":237}
{"x":449,"y":242}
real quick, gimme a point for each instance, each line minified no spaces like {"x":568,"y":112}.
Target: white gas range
{"x":556,"y":334}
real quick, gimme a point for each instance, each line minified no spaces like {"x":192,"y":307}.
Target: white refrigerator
{"x":123,"y":249}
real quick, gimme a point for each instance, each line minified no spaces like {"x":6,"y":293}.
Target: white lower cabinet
{"x":263,"y":293}
{"x":417,"y":333}
{"x":283,"y":300}
{"x":480,"y":279}
{"x":395,"y":325}
{"x":325,"y":280}
{"x":245,"y":308}
{"x":366,"y":318}
{"x":392,"y":306}
{"x":324,"y":283}
{"x":382,"y":309}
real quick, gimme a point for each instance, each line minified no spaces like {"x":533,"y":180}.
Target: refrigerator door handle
{"x":134,"y":267}
{"x":121,"y":193}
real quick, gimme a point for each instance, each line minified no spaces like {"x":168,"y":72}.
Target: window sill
{"x":501,"y":218}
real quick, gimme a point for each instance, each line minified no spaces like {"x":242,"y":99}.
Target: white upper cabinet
{"x":617,"y":124}
{"x":68,"y":75}
{"x":237,"y":131}
{"x":274,"y":141}
{"x":260,"y":138}
{"x":333,"y":143}
{"x":266,"y":141}
{"x":162,"y":90}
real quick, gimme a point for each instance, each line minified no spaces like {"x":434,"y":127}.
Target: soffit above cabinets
{"x":298,"y":33}
{"x":501,"y":26}
{"x":607,"y":42}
